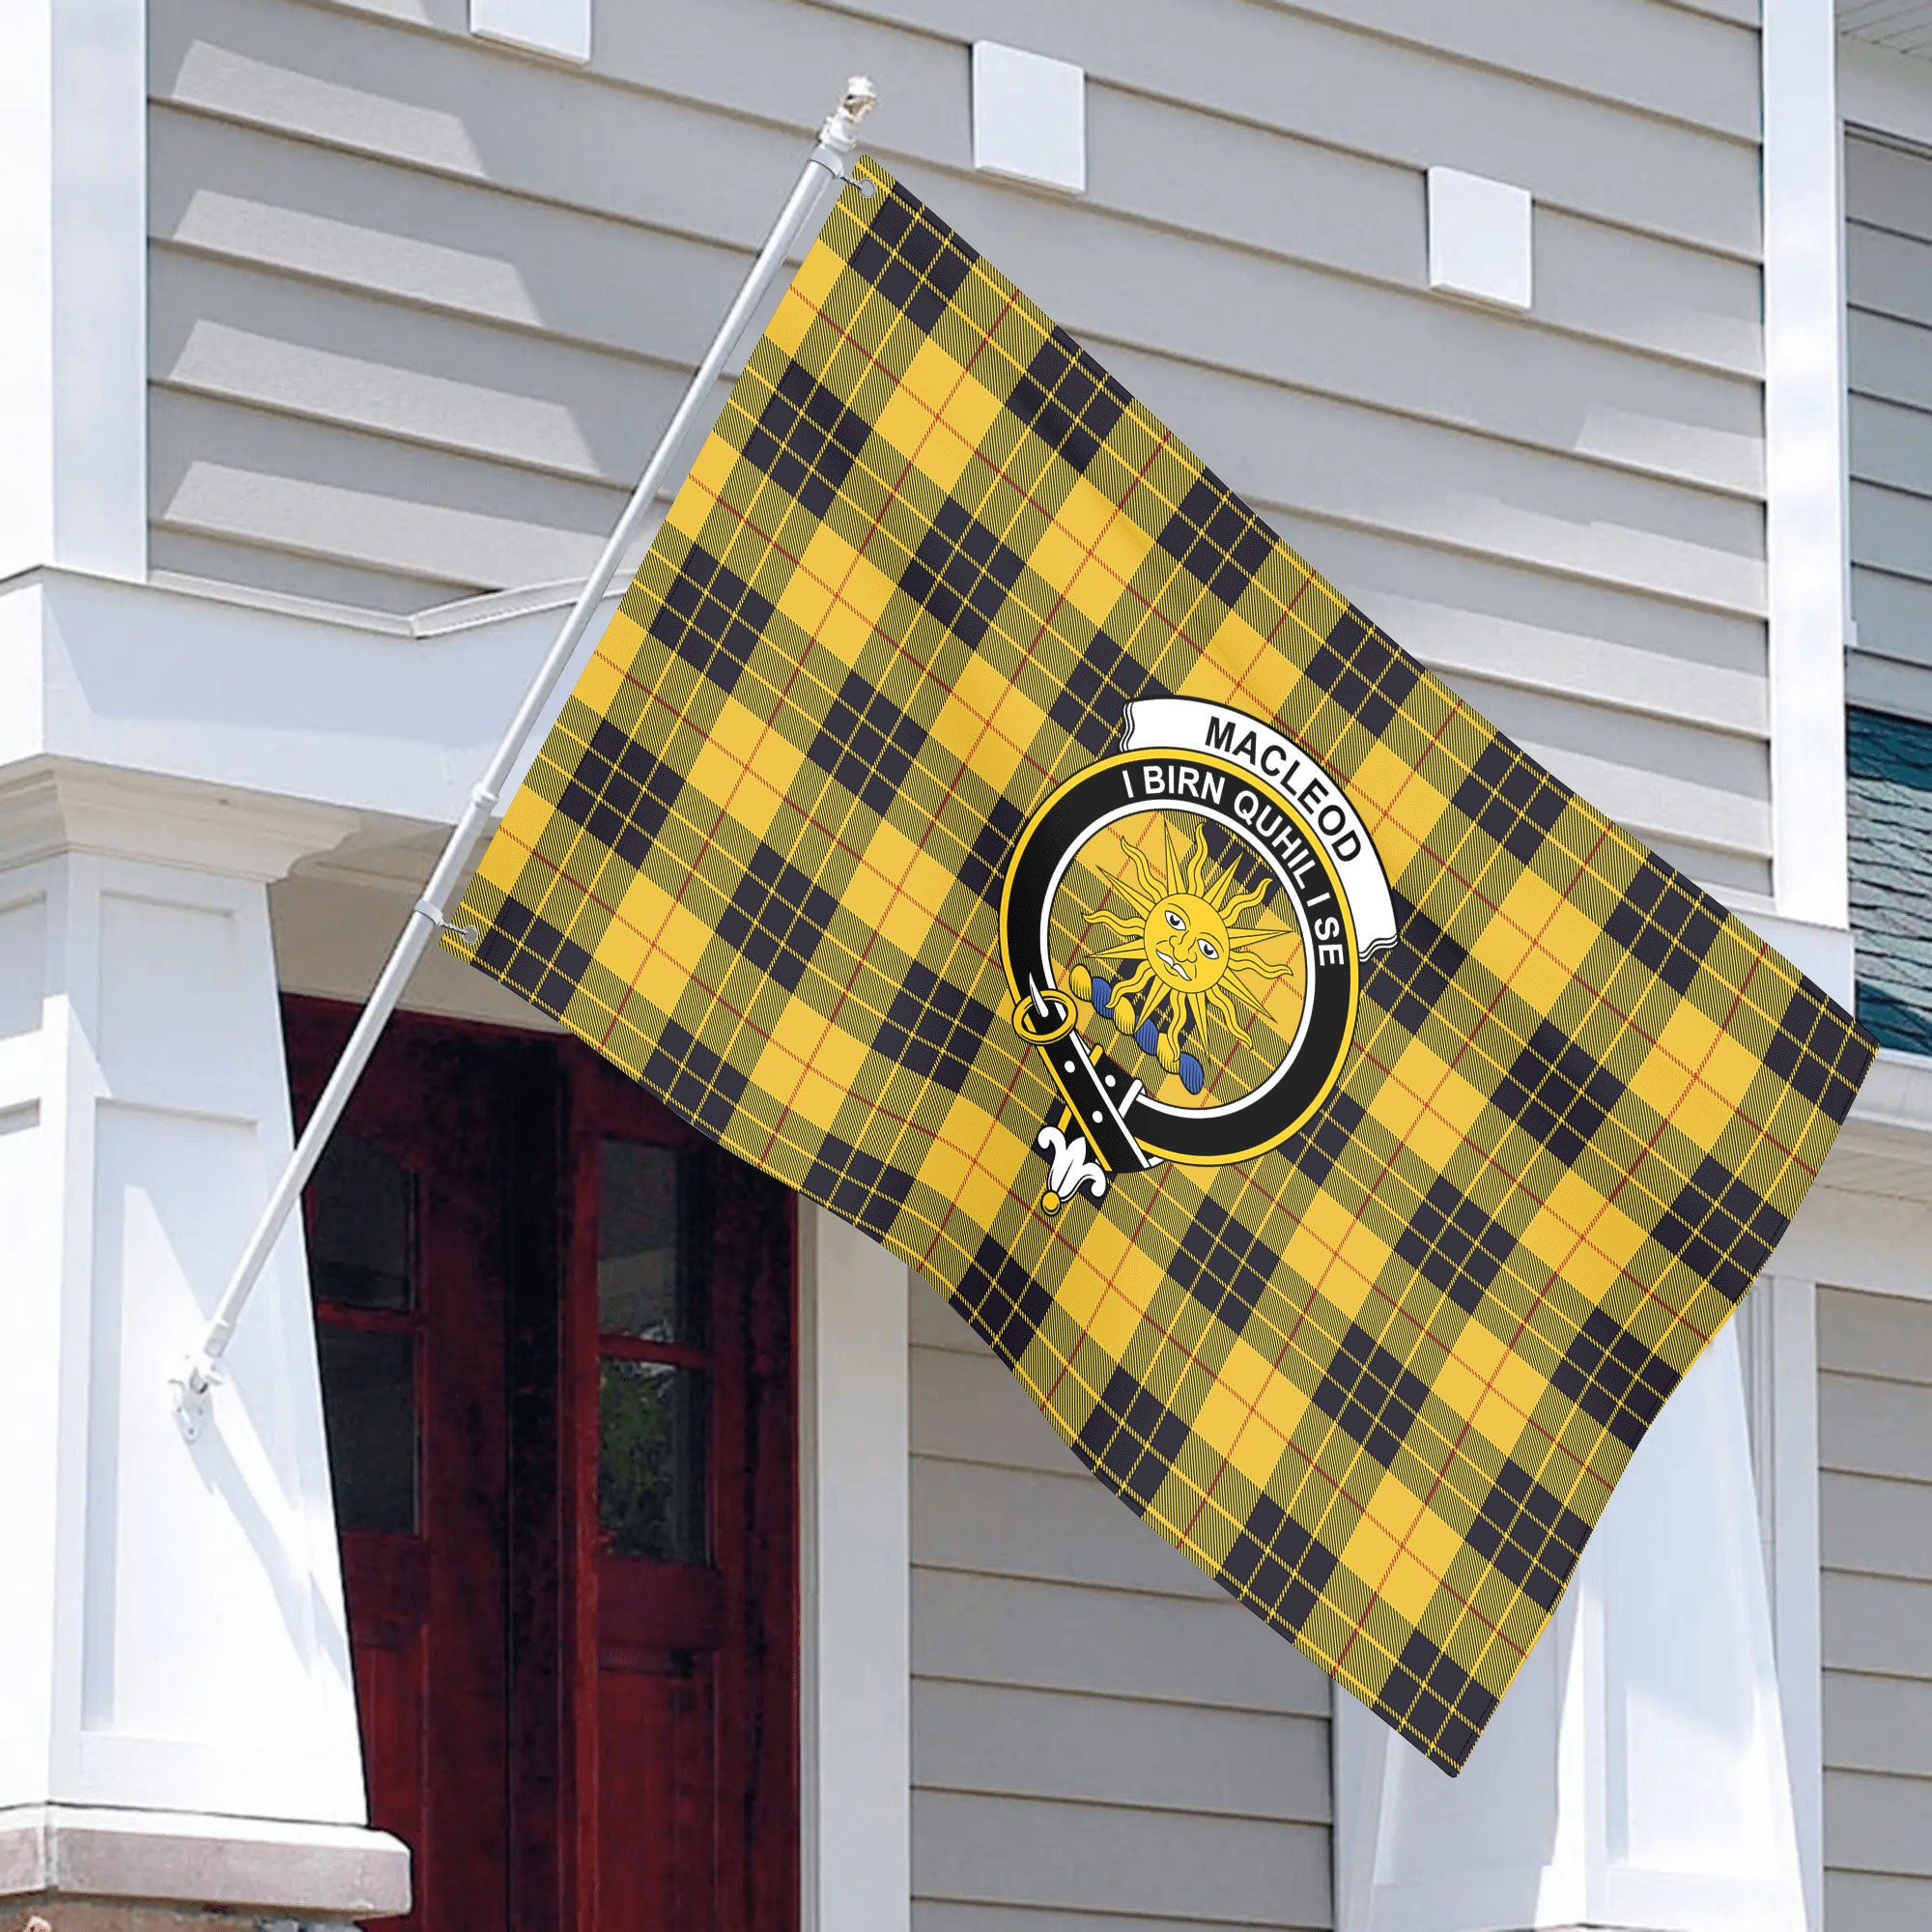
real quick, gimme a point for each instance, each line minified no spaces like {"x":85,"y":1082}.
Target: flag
{"x":975,"y":817}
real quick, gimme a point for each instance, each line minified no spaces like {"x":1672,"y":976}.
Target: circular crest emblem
{"x":1184,"y":924}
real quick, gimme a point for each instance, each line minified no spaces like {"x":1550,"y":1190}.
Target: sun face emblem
{"x":1188,"y":957}
{"x":1185,"y":944}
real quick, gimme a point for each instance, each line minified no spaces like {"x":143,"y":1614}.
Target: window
{"x":653,"y":1351}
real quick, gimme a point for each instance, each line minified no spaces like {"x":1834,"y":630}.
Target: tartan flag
{"x":975,"y":817}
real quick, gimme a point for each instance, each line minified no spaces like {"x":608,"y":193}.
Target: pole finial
{"x":841,"y":124}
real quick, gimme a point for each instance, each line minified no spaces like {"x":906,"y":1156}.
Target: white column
{"x":73,"y":287}
{"x":1806,"y":523}
{"x":1777,"y":1338}
{"x":855,"y":1475}
{"x":177,"y":1713}
{"x":1634,"y":1777}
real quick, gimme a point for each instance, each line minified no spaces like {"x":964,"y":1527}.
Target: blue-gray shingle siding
{"x":1890,"y":786}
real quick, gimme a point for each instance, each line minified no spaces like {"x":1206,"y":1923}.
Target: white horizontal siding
{"x":994,"y":1739}
{"x":1100,"y":1858}
{"x":1875,"y":1458}
{"x":998,"y":1628}
{"x":420,"y":306}
{"x":1096,"y":1730}
{"x":319,"y":491}
{"x":1889,"y":353}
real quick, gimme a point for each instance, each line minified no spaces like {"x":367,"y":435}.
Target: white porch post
{"x":1807,"y":552}
{"x":1635,"y":1774}
{"x":177,"y":1718}
{"x":1779,"y":1341}
{"x":854,"y":1478}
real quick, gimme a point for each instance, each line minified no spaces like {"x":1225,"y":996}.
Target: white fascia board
{"x":371,"y":715}
{"x":1850,"y":1235}
{"x":1845,"y":1240}
{"x":1896,"y":1099}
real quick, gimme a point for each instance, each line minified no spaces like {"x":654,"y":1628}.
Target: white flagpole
{"x":825,"y":165}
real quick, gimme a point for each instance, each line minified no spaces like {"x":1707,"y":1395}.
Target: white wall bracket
{"x":557,"y":28}
{"x":1479,"y":238}
{"x":1028,"y":117}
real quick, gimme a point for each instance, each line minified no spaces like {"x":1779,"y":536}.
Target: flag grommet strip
{"x":1377,"y":1378}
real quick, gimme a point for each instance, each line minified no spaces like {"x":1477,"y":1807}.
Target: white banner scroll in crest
{"x":1309,"y":793}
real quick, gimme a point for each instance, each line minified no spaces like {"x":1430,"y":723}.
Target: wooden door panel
{"x":389,"y":1691}
{"x":578,"y":1703}
{"x":656,"y":1797}
{"x":717,"y":1848}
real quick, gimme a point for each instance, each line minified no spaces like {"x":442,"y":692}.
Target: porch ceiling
{"x":1905,"y":26}
{"x":1885,"y":1148}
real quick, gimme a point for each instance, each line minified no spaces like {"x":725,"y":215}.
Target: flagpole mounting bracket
{"x":469,"y":934}
{"x":192,"y":1387}
{"x":839,"y":136}
{"x":840,"y":129}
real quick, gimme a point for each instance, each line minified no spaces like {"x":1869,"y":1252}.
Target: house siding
{"x":1875,"y":1474}
{"x":1098,"y":1735}
{"x":1889,"y":370}
{"x":420,"y":306}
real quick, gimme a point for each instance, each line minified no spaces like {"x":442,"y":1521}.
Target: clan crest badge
{"x":1203,"y":897}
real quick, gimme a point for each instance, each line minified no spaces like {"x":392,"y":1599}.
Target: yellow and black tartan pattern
{"x":1378,"y":1384}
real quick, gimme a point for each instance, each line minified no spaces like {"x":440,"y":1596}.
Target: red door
{"x":555,"y":1329}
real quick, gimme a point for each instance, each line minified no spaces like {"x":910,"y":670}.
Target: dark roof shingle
{"x":1888,"y":784}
